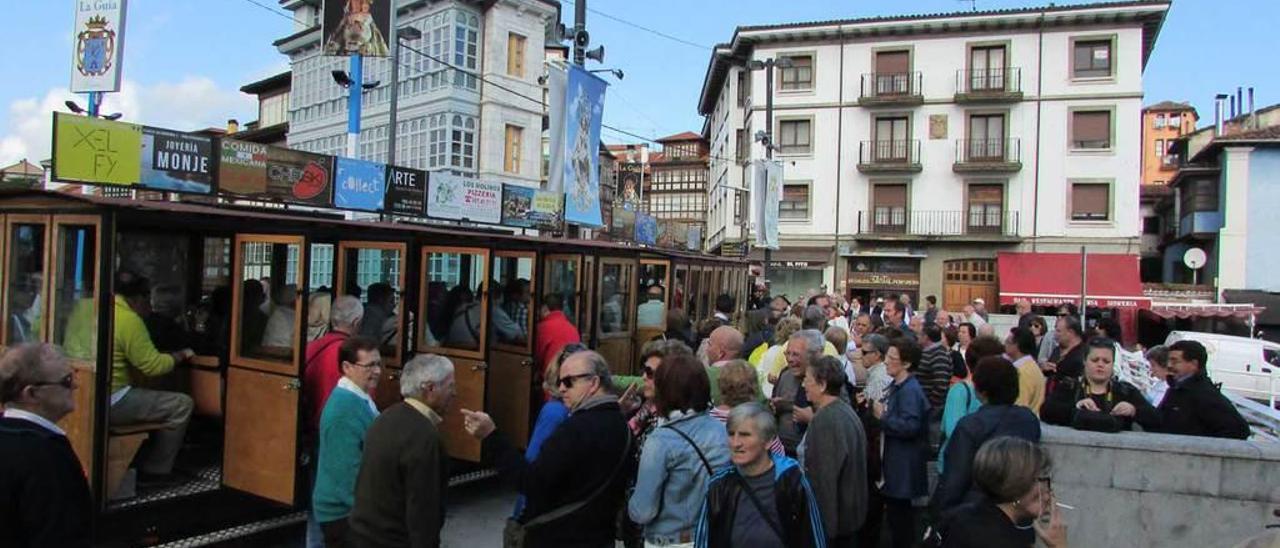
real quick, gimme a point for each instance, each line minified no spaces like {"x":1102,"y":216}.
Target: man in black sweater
{"x":1194,"y":406}
{"x":582,"y":455}
{"x":44,"y":498}
{"x":404,"y":471}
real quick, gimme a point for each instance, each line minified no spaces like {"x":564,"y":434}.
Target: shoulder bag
{"x":513,"y":535}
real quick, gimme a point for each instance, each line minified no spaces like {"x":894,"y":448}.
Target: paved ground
{"x":477,"y":513}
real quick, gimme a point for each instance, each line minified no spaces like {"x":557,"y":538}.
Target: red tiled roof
{"x":1167,"y":106}
{"x":22,"y":167}
{"x":1270,"y":133}
{"x":685,"y":136}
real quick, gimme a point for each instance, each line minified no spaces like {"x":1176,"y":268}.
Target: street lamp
{"x":73,"y":107}
{"x":342,"y":79}
{"x":766,"y":137}
{"x":617,"y":73}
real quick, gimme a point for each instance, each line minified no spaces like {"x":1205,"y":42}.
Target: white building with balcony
{"x":916,"y":148}
{"x":447,"y":119}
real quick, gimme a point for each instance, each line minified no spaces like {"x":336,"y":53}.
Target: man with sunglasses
{"x":590,"y":450}
{"x":347,"y":415}
{"x":44,"y":498}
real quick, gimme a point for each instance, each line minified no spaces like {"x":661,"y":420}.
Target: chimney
{"x":1240,"y":101}
{"x":1217,"y":113}
{"x":232,"y":126}
{"x":1253,"y":121}
{"x":1231,"y":107}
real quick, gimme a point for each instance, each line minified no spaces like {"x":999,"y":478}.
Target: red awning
{"x":1050,"y":279}
{"x":1184,"y":311}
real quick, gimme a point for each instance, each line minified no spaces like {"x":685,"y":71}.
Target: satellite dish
{"x":1194,"y":258}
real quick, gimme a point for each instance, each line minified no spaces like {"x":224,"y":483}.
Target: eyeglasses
{"x":68,"y":382}
{"x":567,"y":382}
{"x":647,"y":371}
{"x":370,"y":365}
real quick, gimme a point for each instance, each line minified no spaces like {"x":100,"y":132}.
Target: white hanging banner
{"x":98,"y":45}
{"x":766,"y":192}
{"x":557,"y":79}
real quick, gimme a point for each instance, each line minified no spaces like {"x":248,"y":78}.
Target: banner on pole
{"x":766,"y":190}
{"x":356,"y":27}
{"x":359,"y":184}
{"x":557,"y":79}
{"x":99,"y":45}
{"x":584,"y":112}
{"x":460,"y":199}
{"x":173,"y":161}
{"x":92,"y":150}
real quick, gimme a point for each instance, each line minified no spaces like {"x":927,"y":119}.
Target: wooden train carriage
{"x":247,"y":288}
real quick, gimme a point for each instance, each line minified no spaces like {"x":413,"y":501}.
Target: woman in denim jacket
{"x":673,"y":475}
{"x":904,"y":426}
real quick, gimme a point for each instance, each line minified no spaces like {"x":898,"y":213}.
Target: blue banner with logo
{"x":359,"y":185}
{"x":584,"y":111}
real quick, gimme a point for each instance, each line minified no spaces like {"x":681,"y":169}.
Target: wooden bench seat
{"x":122,"y":446}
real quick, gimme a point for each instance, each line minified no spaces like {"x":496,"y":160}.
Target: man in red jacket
{"x":554,"y":331}
{"x":322,"y":370}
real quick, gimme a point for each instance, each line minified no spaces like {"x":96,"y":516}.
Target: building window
{"x":986,"y":68}
{"x":892,"y":139}
{"x":1160,"y":147}
{"x":795,"y":202}
{"x":1199,"y":195}
{"x":462,"y":143}
{"x":1175,"y":121}
{"x":514,"y":143}
{"x":1091,"y":58}
{"x":744,"y":87}
{"x":893,"y":72}
{"x":795,"y":136}
{"x":1090,"y":201}
{"x":744,"y":146}
{"x":986,"y":137}
{"x":1091,"y":129}
{"x":1151,"y":225}
{"x":986,"y":207}
{"x":515,"y":55}
{"x":465,"y":49}
{"x":799,"y":76}
{"x":1159,"y":121}
{"x":889,"y":203}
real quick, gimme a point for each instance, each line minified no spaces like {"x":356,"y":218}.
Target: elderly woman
{"x":1013,"y":474}
{"x":834,"y":453}
{"x":738,"y":385}
{"x":1097,"y":401}
{"x":680,"y":456}
{"x":763,"y":500}
{"x":904,"y":424}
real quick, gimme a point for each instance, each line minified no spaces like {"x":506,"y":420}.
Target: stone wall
{"x":1141,"y":489}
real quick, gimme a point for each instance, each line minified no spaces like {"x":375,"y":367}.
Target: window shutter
{"x":888,"y":62}
{"x":891,"y":196}
{"x":1090,"y":201}
{"x":1091,"y":129}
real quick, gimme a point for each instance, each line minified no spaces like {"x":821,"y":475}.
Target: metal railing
{"x":903,"y":152}
{"x":989,"y":80}
{"x":989,"y":151}
{"x":976,"y":222}
{"x":886,"y":85}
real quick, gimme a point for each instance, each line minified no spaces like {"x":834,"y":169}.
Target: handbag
{"x":514,"y":533}
{"x":777,"y":529}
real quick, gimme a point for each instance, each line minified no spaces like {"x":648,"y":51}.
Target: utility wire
{"x":644,"y":28}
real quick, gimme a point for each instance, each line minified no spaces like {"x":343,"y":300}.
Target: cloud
{"x":195,"y":102}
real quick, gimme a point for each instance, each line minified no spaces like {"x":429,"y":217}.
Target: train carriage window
{"x":24,"y":294}
{"x":562,"y":281}
{"x":652,"y":311}
{"x":269,"y":306}
{"x":695,"y":287}
{"x":74,"y":288}
{"x":678,"y":286}
{"x":163,"y":259}
{"x":510,"y":310}
{"x":615,"y":297}
{"x":455,"y":299}
{"x":374,"y":275}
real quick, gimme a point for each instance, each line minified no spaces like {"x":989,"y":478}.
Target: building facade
{"x":448,"y":119}
{"x":1162,"y":123}
{"x":675,"y":185}
{"x":915,"y":148}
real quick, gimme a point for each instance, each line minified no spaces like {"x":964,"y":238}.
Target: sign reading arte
{"x":406,"y":191}
{"x":96,"y":151}
{"x":460,"y":199}
{"x":98,"y":45}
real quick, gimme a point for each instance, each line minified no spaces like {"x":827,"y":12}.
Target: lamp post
{"x":766,"y":137}
{"x":404,"y":33}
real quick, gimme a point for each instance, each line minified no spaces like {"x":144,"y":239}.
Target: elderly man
{"x":44,"y":498}
{"x":1020,"y":346}
{"x":942,"y":319}
{"x":404,"y":472}
{"x":1193,"y":406}
{"x":347,"y":415}
{"x":587,"y":459}
{"x":134,"y":351}
{"x":1068,"y":360}
{"x":980,"y":307}
{"x":834,"y":454}
{"x":723,"y":346}
{"x":380,"y":322}
{"x":789,"y":401}
{"x":323,"y":368}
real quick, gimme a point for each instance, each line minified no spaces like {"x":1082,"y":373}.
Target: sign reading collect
{"x":92,"y":150}
{"x":359,"y":185}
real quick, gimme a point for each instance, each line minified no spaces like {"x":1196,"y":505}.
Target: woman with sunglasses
{"x":1097,"y":401}
{"x":553,"y":412}
{"x":1013,"y":473}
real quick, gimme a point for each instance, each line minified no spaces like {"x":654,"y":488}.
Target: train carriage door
{"x":263,"y":378}
{"x":680,"y":288}
{"x":706,"y":302}
{"x":512,"y":314}
{"x":562,"y":277}
{"x":26,"y":282}
{"x":654,"y":296}
{"x":73,"y":317}
{"x":616,"y":284}
{"x":454,"y":301}
{"x":374,"y":272}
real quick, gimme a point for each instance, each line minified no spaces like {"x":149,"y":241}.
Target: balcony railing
{"x":891,"y":88}
{"x":991,"y":84}
{"x":893,"y":155}
{"x":978,"y":222}
{"x":1003,"y":154}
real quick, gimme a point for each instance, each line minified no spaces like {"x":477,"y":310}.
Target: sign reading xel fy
{"x":91,"y":150}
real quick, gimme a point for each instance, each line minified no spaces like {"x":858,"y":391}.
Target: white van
{"x":1245,"y":366}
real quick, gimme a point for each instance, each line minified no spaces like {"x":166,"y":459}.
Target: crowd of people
{"x":780,"y":424}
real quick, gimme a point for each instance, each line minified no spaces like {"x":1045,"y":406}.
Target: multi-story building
{"x":448,"y":119}
{"x":675,"y":187}
{"x":1161,"y":124}
{"x":915,"y":148}
{"x":272,"y":125}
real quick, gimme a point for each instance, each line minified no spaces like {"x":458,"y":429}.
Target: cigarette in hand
{"x":1065,"y":506}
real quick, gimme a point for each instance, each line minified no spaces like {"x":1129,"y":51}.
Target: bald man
{"x":723,"y":346}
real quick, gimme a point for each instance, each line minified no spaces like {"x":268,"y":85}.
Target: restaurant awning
{"x":1050,"y":279}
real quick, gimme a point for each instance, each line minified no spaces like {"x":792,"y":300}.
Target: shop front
{"x":870,"y":277}
{"x":795,"y":272}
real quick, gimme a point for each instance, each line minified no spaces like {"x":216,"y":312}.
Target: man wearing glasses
{"x":44,"y":498}
{"x":347,"y":415}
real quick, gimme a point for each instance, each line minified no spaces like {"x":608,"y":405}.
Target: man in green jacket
{"x":133,"y":349}
{"x":347,"y":415}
